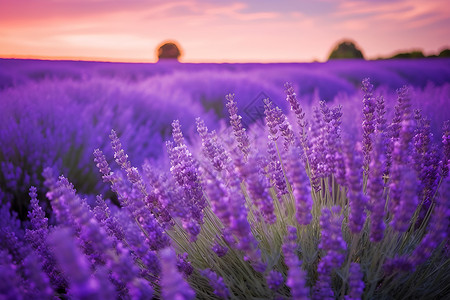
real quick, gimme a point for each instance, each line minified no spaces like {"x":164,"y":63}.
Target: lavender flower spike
{"x":291,"y":97}
{"x":375,"y":187}
{"x":356,"y":283}
{"x":356,"y":198}
{"x":39,"y":222}
{"x":446,"y":146}
{"x":176,"y":133}
{"x":368,"y":121}
{"x":301,"y":189}
{"x":296,"y":277}
{"x":275,"y":280}
{"x":173,"y":285}
{"x":239,"y":131}
{"x":76,"y":266}
{"x":102,"y":165}
{"x":217,"y":283}
{"x":335,"y":247}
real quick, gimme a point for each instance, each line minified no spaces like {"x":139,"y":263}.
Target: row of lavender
{"x":54,"y":114}
{"x":295,"y":209}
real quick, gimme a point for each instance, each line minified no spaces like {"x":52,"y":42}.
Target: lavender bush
{"x":297,"y":209}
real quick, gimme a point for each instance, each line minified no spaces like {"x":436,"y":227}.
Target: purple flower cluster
{"x":334,"y":248}
{"x":185,"y":171}
{"x":426,"y":163}
{"x":291,"y":97}
{"x":258,"y":190}
{"x":296,"y":277}
{"x":323,"y":150}
{"x":355,"y":282}
{"x":275,"y":280}
{"x":368,"y":124}
{"x":217,"y":283}
{"x":375,"y":192}
{"x":212,"y":149}
{"x":239,"y":131}
{"x":301,"y":188}
{"x":172,"y":283}
{"x":445,"y":164}
{"x":223,"y":221}
{"x":356,"y":198}
{"x":275,"y":170}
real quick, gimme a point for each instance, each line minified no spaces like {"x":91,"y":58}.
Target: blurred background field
{"x":55,"y":113}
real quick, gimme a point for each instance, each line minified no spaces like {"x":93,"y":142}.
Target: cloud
{"x":407,"y":14}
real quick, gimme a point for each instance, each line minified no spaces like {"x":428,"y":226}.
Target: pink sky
{"x":220,"y":30}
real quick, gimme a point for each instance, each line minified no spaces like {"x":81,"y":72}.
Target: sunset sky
{"x":219,"y":31}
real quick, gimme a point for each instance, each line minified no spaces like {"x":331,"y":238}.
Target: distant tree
{"x":412,"y":54}
{"x":169,"y":50}
{"x":445,"y":53}
{"x":346,"y":49}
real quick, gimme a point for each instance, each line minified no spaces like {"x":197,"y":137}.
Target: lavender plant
{"x":316,"y":214}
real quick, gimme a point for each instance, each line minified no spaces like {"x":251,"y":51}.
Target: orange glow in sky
{"x":219,"y":31}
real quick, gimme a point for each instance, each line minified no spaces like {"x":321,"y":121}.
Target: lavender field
{"x":225,"y":181}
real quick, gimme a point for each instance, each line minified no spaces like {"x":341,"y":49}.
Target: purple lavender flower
{"x":134,"y":198}
{"x":375,"y":188}
{"x":296,"y":277}
{"x":110,"y":223}
{"x":275,"y":171}
{"x":219,"y":249}
{"x":39,"y":223}
{"x":272,"y":119}
{"x":159,"y":199}
{"x":82,"y":285}
{"x":437,"y":231}
{"x":340,"y":173}
{"x":137,"y":242}
{"x":402,"y":203}
{"x":9,"y":280}
{"x":37,"y":235}
{"x":402,"y":119}
{"x":185,"y":170}
{"x":316,"y":152}
{"x":176,"y":133}
{"x":122,"y":160}
{"x":276,"y":122}
{"x":275,"y":280}
{"x":368,"y":122}
{"x":140,"y":289}
{"x":285,"y":128}
{"x":291,"y":97}
{"x":212,"y":149}
{"x":257,"y":187}
{"x":426,"y":164}
{"x":119,"y":154}
{"x":217,"y":283}
{"x":335,"y":247}
{"x":397,"y":264}
{"x":380,"y":113}
{"x":238,"y":223}
{"x":329,"y":137}
{"x":355,"y":282}
{"x":446,"y":146}
{"x":219,"y":198}
{"x":183,"y":265}
{"x":37,"y":282}
{"x":173,"y":286}
{"x":407,"y":202}
{"x":301,"y":188}
{"x":239,"y":131}
{"x":356,"y":198}
{"x":102,"y":165}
